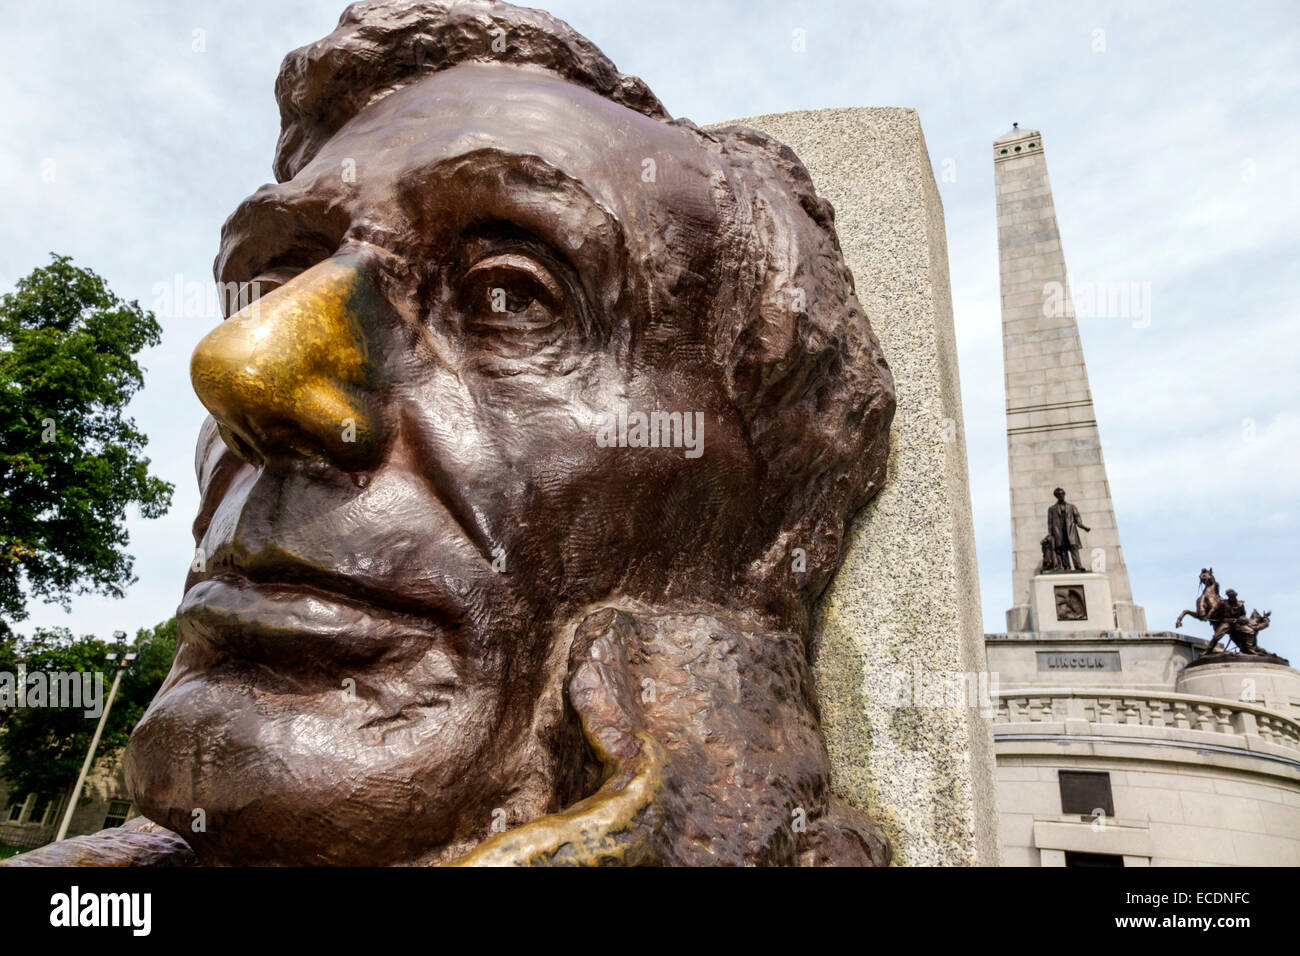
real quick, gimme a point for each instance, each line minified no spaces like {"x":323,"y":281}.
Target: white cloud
{"x":1145,"y":143}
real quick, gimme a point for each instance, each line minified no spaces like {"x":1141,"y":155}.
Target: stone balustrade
{"x":1168,"y":714}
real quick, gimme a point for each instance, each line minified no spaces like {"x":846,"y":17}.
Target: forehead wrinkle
{"x":475,"y":106}
{"x":506,"y":102}
{"x":488,"y":167}
{"x":286,"y":210}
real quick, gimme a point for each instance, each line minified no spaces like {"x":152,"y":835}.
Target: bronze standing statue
{"x":1063,"y":524}
{"x":438,"y":621}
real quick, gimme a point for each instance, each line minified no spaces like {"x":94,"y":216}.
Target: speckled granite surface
{"x":905,"y":602}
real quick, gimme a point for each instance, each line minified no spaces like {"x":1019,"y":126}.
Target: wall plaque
{"x":1070,"y":603}
{"x":1078,"y":661}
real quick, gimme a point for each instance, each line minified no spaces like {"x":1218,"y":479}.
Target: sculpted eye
{"x":243,"y":294}
{"x":512,"y":300}
{"x":271,"y":279}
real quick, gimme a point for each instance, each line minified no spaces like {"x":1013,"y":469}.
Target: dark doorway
{"x":1092,"y":859}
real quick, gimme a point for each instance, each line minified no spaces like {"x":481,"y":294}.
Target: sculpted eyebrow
{"x":495,"y":184}
{"x":300,"y":237}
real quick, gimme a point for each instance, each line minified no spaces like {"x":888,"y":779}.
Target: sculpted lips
{"x":298,"y":627}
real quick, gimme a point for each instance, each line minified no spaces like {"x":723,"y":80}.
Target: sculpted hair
{"x":381,"y":46}
{"x":805,"y":370}
{"x":802,"y":363}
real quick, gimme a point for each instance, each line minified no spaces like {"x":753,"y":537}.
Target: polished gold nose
{"x":291,"y":375}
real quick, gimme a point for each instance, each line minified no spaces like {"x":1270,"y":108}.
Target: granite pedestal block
{"x":905,"y":603}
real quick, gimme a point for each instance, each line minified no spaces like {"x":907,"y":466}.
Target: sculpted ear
{"x":623,"y":822}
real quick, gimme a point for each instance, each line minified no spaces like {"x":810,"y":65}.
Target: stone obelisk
{"x":1052,"y":436}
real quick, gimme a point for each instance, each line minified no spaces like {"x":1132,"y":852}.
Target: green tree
{"x":42,"y":748}
{"x":70,"y":460}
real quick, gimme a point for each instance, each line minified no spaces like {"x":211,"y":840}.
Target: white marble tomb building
{"x":1110,"y":749}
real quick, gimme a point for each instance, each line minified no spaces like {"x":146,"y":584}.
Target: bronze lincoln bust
{"x":438,"y":621}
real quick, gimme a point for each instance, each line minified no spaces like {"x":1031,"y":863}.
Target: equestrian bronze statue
{"x":1228,"y":616}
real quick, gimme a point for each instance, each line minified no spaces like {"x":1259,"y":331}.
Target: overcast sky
{"x":129,"y":132}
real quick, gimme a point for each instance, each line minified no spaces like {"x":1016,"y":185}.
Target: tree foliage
{"x":42,"y":748}
{"x":70,"y":460}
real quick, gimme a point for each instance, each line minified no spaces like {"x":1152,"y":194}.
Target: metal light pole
{"x":121,"y":658}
